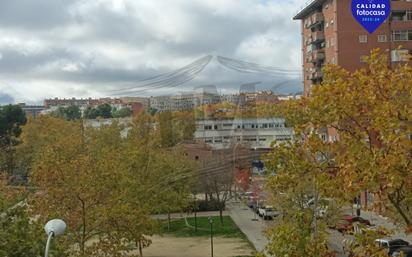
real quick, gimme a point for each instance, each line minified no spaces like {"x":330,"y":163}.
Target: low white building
{"x":253,"y":133}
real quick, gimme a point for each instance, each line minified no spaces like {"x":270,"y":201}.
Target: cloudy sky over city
{"x":94,"y":48}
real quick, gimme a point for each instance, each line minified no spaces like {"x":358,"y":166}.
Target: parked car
{"x":406,"y":250}
{"x":267,"y":212}
{"x":393,"y":245}
{"x":346,"y":223}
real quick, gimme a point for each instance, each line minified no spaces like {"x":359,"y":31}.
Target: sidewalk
{"x":182,"y":215}
{"x":381,"y":221}
{"x":253,"y":229}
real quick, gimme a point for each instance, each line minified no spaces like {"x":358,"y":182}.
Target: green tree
{"x":371,"y":111}
{"x":122,"y":112}
{"x":20,"y":234}
{"x":152,"y":111}
{"x":12,"y":118}
{"x":91,"y":113}
{"x":71,"y":112}
{"x":185,"y":125}
{"x":304,"y":172}
{"x":105,"y":111}
{"x":104,"y":186}
{"x":166,"y":129}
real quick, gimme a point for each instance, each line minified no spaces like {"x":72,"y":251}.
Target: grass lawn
{"x":179,"y":228}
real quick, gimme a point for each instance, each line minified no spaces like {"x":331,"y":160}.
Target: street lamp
{"x":234,"y":168}
{"x":53,"y":228}
{"x":211,"y":235}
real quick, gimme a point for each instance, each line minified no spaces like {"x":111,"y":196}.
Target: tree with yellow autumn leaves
{"x":371,"y":112}
{"x":103,"y":185}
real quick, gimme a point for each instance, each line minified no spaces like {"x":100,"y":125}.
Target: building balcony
{"x":319,"y":55}
{"x":316,"y":37}
{"x":316,"y":75}
{"x":315,"y":56}
{"x":315,"y":19}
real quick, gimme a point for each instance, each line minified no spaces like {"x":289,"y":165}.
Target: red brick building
{"x":330,"y":34}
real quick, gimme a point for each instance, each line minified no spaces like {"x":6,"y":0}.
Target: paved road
{"x":386,"y":223}
{"x":253,"y":229}
{"x":335,"y":242}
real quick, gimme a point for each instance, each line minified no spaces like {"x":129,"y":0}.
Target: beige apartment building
{"x":330,"y":34}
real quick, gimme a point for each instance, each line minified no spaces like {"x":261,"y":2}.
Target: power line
{"x":169,"y":80}
{"x":253,"y":68}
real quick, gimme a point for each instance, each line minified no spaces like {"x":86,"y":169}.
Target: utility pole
{"x":211,"y":235}
{"x":234,"y":169}
{"x":195,"y":209}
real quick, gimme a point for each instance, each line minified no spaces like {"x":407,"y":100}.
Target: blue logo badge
{"x":371,"y":13}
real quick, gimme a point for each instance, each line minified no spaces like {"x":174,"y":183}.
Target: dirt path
{"x":196,"y":247}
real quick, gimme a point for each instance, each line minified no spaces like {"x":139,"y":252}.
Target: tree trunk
{"x":221,"y":216}
{"x":140,"y":248}
{"x":168,"y":220}
{"x":83,"y":232}
{"x":400,"y":211}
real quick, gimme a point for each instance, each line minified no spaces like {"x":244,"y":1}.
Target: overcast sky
{"x":87,"y":48}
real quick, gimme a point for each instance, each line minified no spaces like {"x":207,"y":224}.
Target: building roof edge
{"x":308,"y":8}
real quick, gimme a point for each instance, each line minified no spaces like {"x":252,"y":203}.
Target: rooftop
{"x":308,"y":8}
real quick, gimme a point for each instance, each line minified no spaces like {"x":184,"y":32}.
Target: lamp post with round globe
{"x":53,"y":228}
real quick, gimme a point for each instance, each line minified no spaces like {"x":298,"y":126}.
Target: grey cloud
{"x":38,"y":14}
{"x":6,"y":99}
{"x":90,"y":47}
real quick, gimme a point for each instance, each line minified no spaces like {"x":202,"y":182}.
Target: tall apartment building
{"x":330,"y":34}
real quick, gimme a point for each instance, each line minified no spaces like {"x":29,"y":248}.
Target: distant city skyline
{"x":90,"y":48}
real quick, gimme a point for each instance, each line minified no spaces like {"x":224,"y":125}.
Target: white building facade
{"x":253,"y":133}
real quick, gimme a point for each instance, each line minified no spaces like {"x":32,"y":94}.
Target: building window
{"x":402,"y":15}
{"x":382,"y":38}
{"x":401,"y":35}
{"x":333,"y":61}
{"x":218,"y":139}
{"x":363,"y":39}
{"x":398,"y":16}
{"x":332,"y":41}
